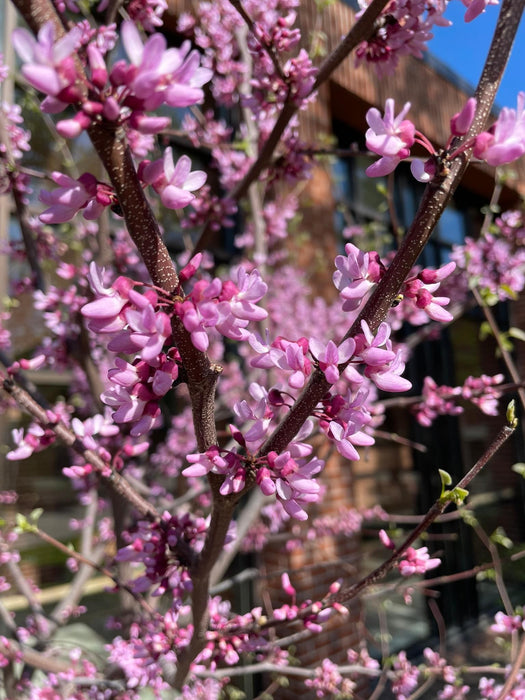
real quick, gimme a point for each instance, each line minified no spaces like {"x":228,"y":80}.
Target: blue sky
{"x":463,"y":47}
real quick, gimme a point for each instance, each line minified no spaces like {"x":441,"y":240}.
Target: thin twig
{"x":515,"y":671}
{"x":69,"y":552}
{"x":505,"y":354}
{"x":66,"y":435}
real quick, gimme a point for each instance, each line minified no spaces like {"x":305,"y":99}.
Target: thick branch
{"x":435,"y":199}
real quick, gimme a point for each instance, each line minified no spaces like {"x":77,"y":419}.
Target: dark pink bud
{"x":92,"y":108}
{"x":424,"y":298}
{"x":111,"y":109}
{"x":229,"y":290}
{"x":89,"y":182}
{"x":191,"y":268}
{"x":70,"y":128}
{"x":460,"y":122}
{"x":275,"y":398}
{"x":121,"y":73}
{"x":99,"y":73}
{"x":482,"y":142}
{"x":140,"y":170}
{"x":237,"y":436}
{"x":70,"y":94}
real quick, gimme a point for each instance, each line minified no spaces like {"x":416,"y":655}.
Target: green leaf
{"x":35,"y":514}
{"x":23,"y":525}
{"x":499,"y":536}
{"x":516,"y":333}
{"x":446,"y":480}
{"x":519,"y":468}
{"x":485,"y":331}
{"x":509,"y":291}
{"x":458,"y":495}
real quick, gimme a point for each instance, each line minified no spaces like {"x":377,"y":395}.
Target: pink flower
{"x":159,"y":75}
{"x":329,"y":356}
{"x":71,"y":196}
{"x":390,"y":137}
{"x":105,"y":314}
{"x":506,"y":624}
{"x":174,"y":182}
{"x":384,"y":366}
{"x":355,"y":275}
{"x":48,"y":65}
{"x":505,"y":140}
{"x":417,"y":561}
{"x":476,"y":8}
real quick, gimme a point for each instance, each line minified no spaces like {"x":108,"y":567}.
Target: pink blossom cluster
{"x":138,"y":325}
{"x":161,"y":548}
{"x":214,"y":31}
{"x":162,"y":638}
{"x":406,"y":676}
{"x":442,"y":400}
{"x":507,"y":624}
{"x":174,"y":182}
{"x":437,"y":665}
{"x":358,"y":272}
{"x":404,"y":28}
{"x":437,"y":401}
{"x":14,"y":144}
{"x":287,"y":476}
{"x":495,"y":264}
{"x":33,"y":439}
{"x":80,"y":668}
{"x":328,"y":682}
{"x":156,"y":75}
{"x":392,"y":137}
{"x":413,"y":561}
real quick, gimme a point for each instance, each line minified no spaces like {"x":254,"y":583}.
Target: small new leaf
{"x":35,"y":514}
{"x":499,"y":536}
{"x":517,"y":333}
{"x":458,"y":495}
{"x":446,"y":480}
{"x":519,"y":468}
{"x":511,"y":415}
{"x":23,"y":525}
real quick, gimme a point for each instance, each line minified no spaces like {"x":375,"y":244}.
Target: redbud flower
{"x":174,"y":182}
{"x":47,"y":63}
{"x":476,"y":8}
{"x":390,"y":137}
{"x":505,"y":140}
{"x":417,"y":561}
{"x":329,"y":356}
{"x":506,"y":624}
